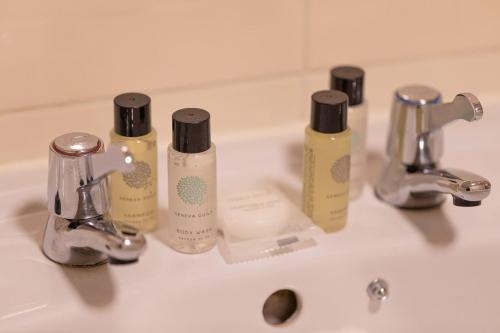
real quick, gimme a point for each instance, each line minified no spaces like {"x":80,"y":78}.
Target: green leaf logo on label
{"x":140,"y":177}
{"x":340,"y":169}
{"x":192,"y":190}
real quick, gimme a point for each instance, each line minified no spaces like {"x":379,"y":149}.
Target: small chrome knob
{"x":378,"y":290}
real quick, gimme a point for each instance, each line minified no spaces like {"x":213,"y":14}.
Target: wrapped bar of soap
{"x":258,"y":221}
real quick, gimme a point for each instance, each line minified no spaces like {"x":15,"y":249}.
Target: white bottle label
{"x":192,"y":203}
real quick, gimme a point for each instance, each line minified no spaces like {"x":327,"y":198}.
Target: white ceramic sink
{"x":442,"y":265}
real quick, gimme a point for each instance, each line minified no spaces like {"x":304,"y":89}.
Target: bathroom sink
{"x":441,"y":265}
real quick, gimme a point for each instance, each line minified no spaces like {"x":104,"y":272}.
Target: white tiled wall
{"x":251,"y":63}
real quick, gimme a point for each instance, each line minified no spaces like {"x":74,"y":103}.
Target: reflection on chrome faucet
{"x":77,"y":232}
{"x":413,"y":177}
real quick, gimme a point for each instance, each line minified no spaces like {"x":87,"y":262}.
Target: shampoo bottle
{"x":192,"y":186}
{"x":134,"y":195}
{"x":349,"y":80}
{"x":327,"y":161}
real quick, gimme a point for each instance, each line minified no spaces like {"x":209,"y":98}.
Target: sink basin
{"x":441,"y":265}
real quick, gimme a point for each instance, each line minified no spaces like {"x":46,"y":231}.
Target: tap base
{"x":105,"y":261}
{"x":55,"y":248}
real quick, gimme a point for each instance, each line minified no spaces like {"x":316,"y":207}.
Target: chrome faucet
{"x":77,"y":231}
{"x":413,"y":177}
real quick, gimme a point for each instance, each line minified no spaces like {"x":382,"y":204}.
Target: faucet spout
{"x":90,"y":242}
{"x":467,"y":188}
{"x":101,"y":235}
{"x":426,"y":187}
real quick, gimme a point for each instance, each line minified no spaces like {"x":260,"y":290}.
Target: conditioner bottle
{"x":327,"y":161}
{"x":134,"y":195}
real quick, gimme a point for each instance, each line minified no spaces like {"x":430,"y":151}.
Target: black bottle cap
{"x":329,"y":111}
{"x":132,"y":114}
{"x":191,"y":130}
{"x":348,"y":79}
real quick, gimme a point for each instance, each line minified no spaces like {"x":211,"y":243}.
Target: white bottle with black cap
{"x":327,"y":161}
{"x":192,"y":184}
{"x":350,"y":79}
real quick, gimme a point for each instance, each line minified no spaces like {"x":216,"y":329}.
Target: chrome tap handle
{"x":78,"y":165}
{"x":415,"y":136}
{"x":116,"y":158}
{"x":464,"y":106}
{"x":98,"y":234}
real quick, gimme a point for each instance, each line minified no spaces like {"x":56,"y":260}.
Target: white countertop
{"x":169,"y":291}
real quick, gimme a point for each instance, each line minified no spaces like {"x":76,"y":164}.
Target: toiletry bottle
{"x":192,"y":186}
{"x":349,"y":80}
{"x":327,"y":161}
{"x":134,"y":195}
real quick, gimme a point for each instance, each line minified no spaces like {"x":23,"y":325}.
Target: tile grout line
{"x":211,"y":85}
{"x":459,"y":53}
{"x":305,"y":57}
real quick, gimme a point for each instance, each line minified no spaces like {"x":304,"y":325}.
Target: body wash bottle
{"x":327,"y":161}
{"x":134,"y":195}
{"x":192,"y":186}
{"x":349,"y":80}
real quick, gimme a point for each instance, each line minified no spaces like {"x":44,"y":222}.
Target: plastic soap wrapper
{"x":258,"y":221}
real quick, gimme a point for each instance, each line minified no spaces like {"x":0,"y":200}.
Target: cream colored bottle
{"x":327,"y":161}
{"x":134,"y":195}
{"x":192,"y":183}
{"x":350,"y":80}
